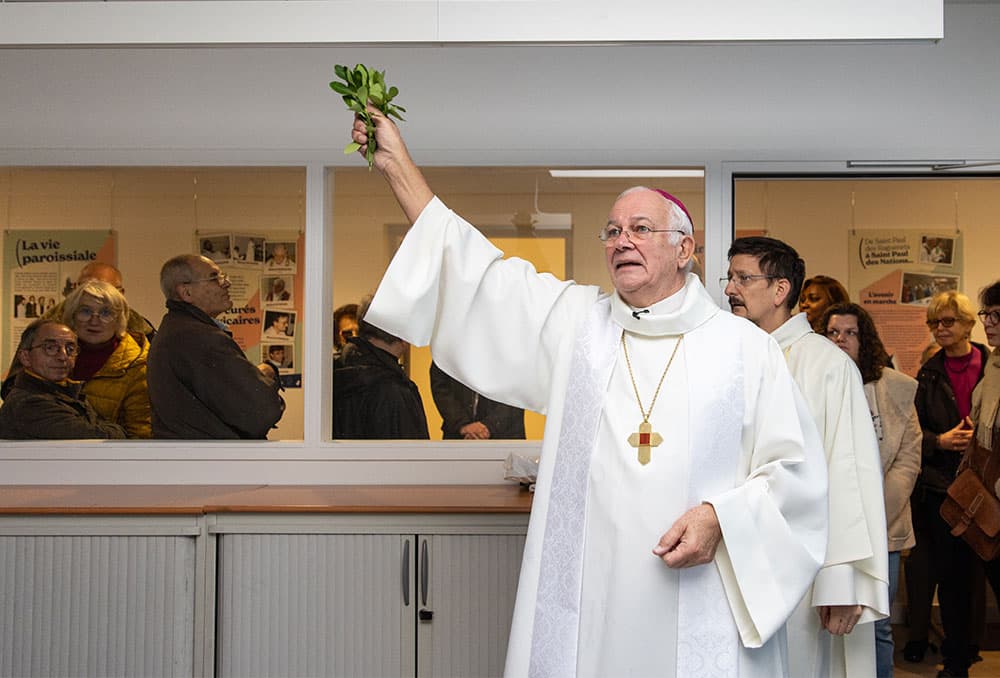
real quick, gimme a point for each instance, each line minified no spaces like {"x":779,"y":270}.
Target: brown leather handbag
{"x":971,"y":507}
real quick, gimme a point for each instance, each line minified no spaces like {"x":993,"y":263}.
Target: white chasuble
{"x":592,"y":598}
{"x":856,"y":568}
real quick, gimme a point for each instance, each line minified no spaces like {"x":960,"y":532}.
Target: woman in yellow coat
{"x":112,"y":361}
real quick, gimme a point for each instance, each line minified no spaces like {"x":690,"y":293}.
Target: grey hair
{"x":177,"y":271}
{"x":106,"y":293}
{"x":677,"y":220}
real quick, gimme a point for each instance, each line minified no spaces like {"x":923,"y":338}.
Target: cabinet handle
{"x":424,"y":572}
{"x":406,"y":572}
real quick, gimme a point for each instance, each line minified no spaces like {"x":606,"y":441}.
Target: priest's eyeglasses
{"x":609,"y":234}
{"x":52,"y":348}
{"x":743,"y":279}
{"x":944,"y":322}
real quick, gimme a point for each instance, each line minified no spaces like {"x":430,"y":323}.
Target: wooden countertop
{"x":199,"y":499}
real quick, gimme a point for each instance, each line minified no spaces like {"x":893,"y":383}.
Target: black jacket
{"x":373,"y":398}
{"x":460,"y":405}
{"x":39,"y":409}
{"x":938,"y":413}
{"x":201,"y":385}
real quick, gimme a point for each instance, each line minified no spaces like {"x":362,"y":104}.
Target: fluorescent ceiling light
{"x":626,"y":173}
{"x":932,"y":164}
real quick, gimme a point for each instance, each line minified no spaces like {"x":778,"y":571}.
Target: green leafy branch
{"x":359,"y":87}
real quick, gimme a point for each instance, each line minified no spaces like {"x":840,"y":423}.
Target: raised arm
{"x":393,"y":160}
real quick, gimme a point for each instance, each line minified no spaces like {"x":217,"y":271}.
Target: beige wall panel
{"x":271,"y":198}
{"x":816,"y":216}
{"x":60,"y":198}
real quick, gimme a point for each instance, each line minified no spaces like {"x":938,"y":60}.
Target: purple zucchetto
{"x":676,"y":202}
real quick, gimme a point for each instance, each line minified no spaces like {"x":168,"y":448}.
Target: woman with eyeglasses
{"x":944,"y":402}
{"x":890,"y":400}
{"x":112,"y":361}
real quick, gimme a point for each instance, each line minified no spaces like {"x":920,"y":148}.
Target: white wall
{"x":601,"y":104}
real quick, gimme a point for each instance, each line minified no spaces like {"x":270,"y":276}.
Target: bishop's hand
{"x":839,"y":619}
{"x":393,"y":160}
{"x":390,"y":148}
{"x":692,"y":540}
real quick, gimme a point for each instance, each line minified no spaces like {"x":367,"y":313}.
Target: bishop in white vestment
{"x":621,"y":573}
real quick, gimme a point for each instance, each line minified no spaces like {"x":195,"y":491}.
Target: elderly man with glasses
{"x":43,"y":403}
{"x":201,"y":385}
{"x":680,"y":508}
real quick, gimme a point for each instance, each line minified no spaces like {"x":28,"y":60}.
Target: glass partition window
{"x":249,"y":221}
{"x":891,"y":241}
{"x":550,"y":221}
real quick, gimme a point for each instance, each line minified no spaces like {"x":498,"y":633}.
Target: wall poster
{"x":265,"y":271}
{"x":40,"y":268}
{"x":894,"y":273}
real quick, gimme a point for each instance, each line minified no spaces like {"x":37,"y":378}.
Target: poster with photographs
{"x":42,"y":267}
{"x":265,"y":273}
{"x":894,"y":274}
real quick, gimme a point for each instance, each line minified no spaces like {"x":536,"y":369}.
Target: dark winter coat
{"x":459,"y":405}
{"x":372,"y":396}
{"x":201,"y":385}
{"x":39,"y":409}
{"x":938,"y":413}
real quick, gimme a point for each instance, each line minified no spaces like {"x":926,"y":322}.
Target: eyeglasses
{"x":834,"y":333}
{"x":740,"y":280}
{"x":944,"y":322}
{"x":609,"y":234}
{"x":219,"y":279}
{"x":989,"y":317}
{"x":85,"y":313}
{"x":52,"y":348}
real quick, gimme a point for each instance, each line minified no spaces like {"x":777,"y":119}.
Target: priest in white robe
{"x":832,"y":631}
{"x":680,"y":513}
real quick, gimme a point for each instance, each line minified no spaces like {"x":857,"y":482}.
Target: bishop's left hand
{"x":691,"y":540}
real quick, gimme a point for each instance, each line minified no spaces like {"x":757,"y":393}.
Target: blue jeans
{"x":883,"y":627}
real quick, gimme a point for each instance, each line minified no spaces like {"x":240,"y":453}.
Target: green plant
{"x":359,"y":87}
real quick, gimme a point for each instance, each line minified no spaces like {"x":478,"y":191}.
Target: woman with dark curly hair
{"x":890,"y":400}
{"x":819,"y":293}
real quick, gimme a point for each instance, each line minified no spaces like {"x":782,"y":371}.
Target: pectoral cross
{"x":645,"y":438}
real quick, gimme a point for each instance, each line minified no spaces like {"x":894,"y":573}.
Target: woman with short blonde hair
{"x":112,"y":361}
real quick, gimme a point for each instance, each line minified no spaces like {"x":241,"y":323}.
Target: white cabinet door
{"x":96,"y":605}
{"x":315,"y":605}
{"x":465,"y":600}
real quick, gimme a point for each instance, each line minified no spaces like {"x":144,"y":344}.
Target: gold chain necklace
{"x":646,"y":438}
